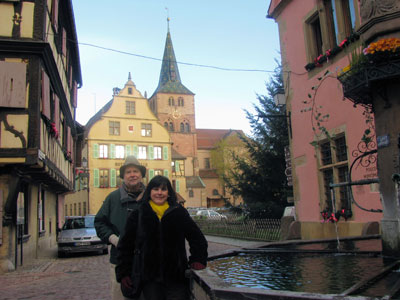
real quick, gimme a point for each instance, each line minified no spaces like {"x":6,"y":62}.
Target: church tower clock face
{"x":176,"y":114}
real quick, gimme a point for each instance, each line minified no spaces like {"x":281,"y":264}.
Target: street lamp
{"x":279,"y":97}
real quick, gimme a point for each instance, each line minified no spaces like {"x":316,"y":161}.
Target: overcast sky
{"x":230,"y":34}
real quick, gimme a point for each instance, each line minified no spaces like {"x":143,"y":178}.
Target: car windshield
{"x":77,"y":223}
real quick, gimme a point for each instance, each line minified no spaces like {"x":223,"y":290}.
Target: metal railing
{"x":254,"y":229}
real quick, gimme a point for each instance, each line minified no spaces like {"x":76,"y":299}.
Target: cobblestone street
{"x":77,"y":277}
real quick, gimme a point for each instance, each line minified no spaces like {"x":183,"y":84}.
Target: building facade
{"x":39,"y":76}
{"x":330,"y":139}
{"x":124,"y":126}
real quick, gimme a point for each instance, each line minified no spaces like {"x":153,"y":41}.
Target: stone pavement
{"x":79,"y":277}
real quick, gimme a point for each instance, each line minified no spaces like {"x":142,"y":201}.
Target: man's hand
{"x":113,"y":239}
{"x":197,"y":266}
{"x":127,"y":282}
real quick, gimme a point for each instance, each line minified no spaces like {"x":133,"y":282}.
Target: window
{"x":180,"y":101}
{"x":315,"y":37}
{"x":166,"y":125}
{"x":119,"y":151}
{"x":146,"y":129}
{"x":215,"y":192}
{"x":104,"y":178}
{"x":171,"y":101}
{"x":157,"y":152}
{"x":331,"y":23}
{"x":158,"y":172}
{"x":142,"y":152}
{"x":191,"y":193}
{"x":334,"y":169}
{"x":79,"y":209}
{"x":171,"y":127}
{"x":119,"y":179}
{"x":187,"y":127}
{"x":207,"y":163}
{"x":103,"y":151}
{"x":114,"y":128}
{"x":130,"y":91}
{"x":130,"y":107}
{"x":182,"y":127}
{"x":66,"y":210}
{"x":70,"y":210}
{"x":84,"y":208}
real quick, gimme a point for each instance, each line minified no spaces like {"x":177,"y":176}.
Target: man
{"x":111,"y":218}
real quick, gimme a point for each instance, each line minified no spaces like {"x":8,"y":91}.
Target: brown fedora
{"x":131,"y":161}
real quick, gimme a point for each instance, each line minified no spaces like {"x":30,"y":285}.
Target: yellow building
{"x":40,"y":73}
{"x":124,"y":126}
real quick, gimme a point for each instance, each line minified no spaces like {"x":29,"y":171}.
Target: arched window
{"x":187,"y":127}
{"x":171,"y":126}
{"x":182,"y":128}
{"x":166,"y":125}
{"x":215,"y":192}
{"x":180,"y":101}
{"x":171,"y":101}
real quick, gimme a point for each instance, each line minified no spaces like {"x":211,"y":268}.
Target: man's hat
{"x":131,"y":161}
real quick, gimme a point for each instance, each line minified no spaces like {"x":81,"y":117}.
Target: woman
{"x":164,"y":226}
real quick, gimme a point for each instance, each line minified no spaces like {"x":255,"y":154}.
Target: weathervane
{"x":168,"y":19}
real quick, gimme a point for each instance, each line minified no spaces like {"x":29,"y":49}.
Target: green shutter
{"x":95,"y":150}
{"x":177,"y":166}
{"x":151,"y":174}
{"x":128,"y":150}
{"x":166,"y":173}
{"x":96,"y":177}
{"x":112,"y":150}
{"x":165,"y":153}
{"x":177,"y":186}
{"x":135,"y":150}
{"x":113,"y":178}
{"x":151,"y":152}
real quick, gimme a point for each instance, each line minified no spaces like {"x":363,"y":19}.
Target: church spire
{"x":170,"y":80}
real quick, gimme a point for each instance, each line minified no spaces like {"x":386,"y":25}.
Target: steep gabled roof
{"x":208,"y":138}
{"x":170,"y":80}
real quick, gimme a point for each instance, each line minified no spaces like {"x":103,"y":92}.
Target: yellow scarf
{"x":159,"y":209}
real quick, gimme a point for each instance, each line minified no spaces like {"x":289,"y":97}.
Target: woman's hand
{"x":197,"y":266}
{"x":127,"y":282}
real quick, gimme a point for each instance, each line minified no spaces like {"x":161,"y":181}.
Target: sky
{"x":207,"y":35}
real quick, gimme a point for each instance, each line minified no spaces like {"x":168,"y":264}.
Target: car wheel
{"x":105,"y":251}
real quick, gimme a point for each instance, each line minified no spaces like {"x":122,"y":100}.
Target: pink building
{"x":318,"y":39}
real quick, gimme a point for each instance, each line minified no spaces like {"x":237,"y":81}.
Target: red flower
{"x":343,"y":43}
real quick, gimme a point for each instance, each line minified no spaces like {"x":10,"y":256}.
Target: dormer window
{"x":129,"y":91}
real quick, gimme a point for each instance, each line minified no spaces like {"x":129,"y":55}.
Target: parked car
{"x":79,"y":235}
{"x":210,"y":214}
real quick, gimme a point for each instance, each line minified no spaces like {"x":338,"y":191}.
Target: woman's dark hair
{"x":160,"y":181}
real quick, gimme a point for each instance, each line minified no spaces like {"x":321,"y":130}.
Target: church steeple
{"x":170,"y":80}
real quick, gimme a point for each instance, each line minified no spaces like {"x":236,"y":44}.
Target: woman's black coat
{"x":162,"y":242}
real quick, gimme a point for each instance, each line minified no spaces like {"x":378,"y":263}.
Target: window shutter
{"x":151,"y":174}
{"x":75,"y":94}
{"x":45,"y":95}
{"x":166,"y":173}
{"x":178,"y":189}
{"x":135,"y":150}
{"x":64,"y":42}
{"x":96,"y":178}
{"x":177,"y":166}
{"x":112,"y":150}
{"x":151,"y":152}
{"x":95,"y":150}
{"x":57,"y":111}
{"x":165,"y":153}
{"x":54,"y":14}
{"x":128,"y":150}
{"x":113,"y":178}
{"x":12,"y":84}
